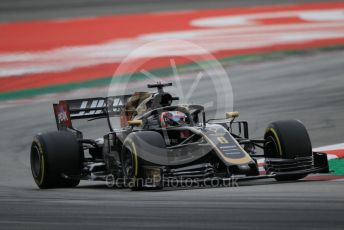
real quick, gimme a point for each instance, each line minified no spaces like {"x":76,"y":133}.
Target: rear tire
{"x":52,"y":155}
{"x":287,"y":139}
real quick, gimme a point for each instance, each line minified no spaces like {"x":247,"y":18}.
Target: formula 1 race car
{"x":159,"y":142}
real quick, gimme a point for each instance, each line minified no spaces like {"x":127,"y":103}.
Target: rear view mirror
{"x":135,"y":122}
{"x":230,"y":115}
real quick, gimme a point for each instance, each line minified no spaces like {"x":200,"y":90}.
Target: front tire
{"x":132,"y":163}
{"x":52,"y":155}
{"x":287,"y":139}
{"x":131,"y":166}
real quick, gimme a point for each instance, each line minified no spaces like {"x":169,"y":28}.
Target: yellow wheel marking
{"x":42,"y":167}
{"x":278,"y":140}
{"x":135,"y":160}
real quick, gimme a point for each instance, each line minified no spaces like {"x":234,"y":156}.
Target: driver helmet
{"x":173,"y":119}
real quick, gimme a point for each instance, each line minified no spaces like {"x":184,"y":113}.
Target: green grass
{"x":337,"y":166}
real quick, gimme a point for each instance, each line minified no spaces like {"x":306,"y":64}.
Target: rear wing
{"x":88,"y":108}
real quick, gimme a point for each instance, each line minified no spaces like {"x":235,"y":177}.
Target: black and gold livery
{"x":159,"y":142}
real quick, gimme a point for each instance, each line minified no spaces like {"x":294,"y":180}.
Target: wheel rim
{"x":127,"y":163}
{"x":35,"y":161}
{"x":271,"y":147}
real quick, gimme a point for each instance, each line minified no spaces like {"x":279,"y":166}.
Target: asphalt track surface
{"x":305,"y":87}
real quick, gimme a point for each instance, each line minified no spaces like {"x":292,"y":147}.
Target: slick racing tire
{"x":287,"y":139}
{"x":53,"y":155}
{"x":132,"y":164}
